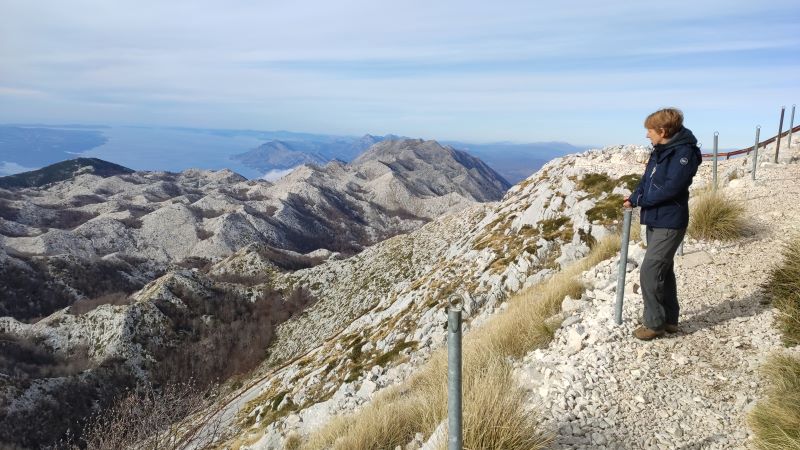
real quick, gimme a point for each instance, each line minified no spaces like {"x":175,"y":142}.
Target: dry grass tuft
{"x":776,"y":419}
{"x":783,"y":288}
{"x":292,"y":442}
{"x":494,"y":406}
{"x":714,"y":215}
{"x":495,"y":414}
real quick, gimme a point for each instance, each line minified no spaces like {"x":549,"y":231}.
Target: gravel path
{"x":690,"y":390}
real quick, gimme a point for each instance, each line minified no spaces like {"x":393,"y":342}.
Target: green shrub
{"x":597,"y":184}
{"x":607,"y":210}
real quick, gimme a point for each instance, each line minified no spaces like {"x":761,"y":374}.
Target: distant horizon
{"x":96,"y":126}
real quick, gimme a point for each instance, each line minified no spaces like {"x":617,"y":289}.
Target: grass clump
{"x":776,"y":419}
{"x":714,"y":216}
{"x":630,"y":182}
{"x":606,"y":211}
{"x":389,"y":356}
{"x":559,"y":227}
{"x":783,"y":288}
{"x":495,"y":416}
{"x":597,"y":184}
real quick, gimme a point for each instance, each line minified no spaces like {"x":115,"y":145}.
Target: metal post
{"x":680,"y":249}
{"x":755,"y":153}
{"x":716,"y":151}
{"x":791,"y":128}
{"x":454,"y":413}
{"x":623,"y":262}
{"x":780,"y":130}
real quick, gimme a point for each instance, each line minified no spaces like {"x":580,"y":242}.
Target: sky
{"x":584,"y":72}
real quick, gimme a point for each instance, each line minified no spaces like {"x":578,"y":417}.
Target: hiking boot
{"x":645,"y":334}
{"x":670,"y":328}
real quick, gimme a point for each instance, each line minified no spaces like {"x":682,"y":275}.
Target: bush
{"x":67,"y":219}
{"x":203,"y":213}
{"x":72,"y":392}
{"x":244,"y":280}
{"x":776,"y":419}
{"x":24,"y":359}
{"x":195,"y":262}
{"x":36,"y":287}
{"x":131,"y":222}
{"x":83,"y":306}
{"x":715,"y":216}
{"x":597,"y":183}
{"x":203,"y":234}
{"x":82,"y":200}
{"x":783,"y":288}
{"x":606,"y":211}
{"x":150,"y":417}
{"x":223,"y":335}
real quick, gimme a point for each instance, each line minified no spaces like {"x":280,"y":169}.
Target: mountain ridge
{"x":166,"y":218}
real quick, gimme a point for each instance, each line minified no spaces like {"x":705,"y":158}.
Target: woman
{"x":663,"y":196}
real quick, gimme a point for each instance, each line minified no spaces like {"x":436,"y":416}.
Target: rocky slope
{"x":603,"y":389}
{"x":374,"y":316}
{"x":379,"y":314}
{"x":132,"y":226}
{"x":333,"y":357}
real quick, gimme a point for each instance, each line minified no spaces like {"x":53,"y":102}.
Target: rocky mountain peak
{"x":428,"y":167}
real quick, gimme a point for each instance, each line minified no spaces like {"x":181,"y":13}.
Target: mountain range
{"x":251,"y":153}
{"x":132,"y":225}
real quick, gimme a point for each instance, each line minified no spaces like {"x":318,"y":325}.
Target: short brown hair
{"x":668,"y":119}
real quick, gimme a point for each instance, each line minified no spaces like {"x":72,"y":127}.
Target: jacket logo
{"x":684,"y":161}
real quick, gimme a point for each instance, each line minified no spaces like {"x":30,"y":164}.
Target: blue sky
{"x":520,"y":71}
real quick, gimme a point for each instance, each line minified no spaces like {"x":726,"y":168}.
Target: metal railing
{"x":792,"y":129}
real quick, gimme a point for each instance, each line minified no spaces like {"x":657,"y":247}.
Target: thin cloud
{"x":468,"y":69}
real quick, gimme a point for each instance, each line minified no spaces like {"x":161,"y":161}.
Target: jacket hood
{"x":684,"y":136}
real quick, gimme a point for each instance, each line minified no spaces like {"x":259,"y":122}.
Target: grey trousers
{"x":657,"y":277}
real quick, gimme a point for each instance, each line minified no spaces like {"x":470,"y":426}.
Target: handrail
{"x":750,"y":149}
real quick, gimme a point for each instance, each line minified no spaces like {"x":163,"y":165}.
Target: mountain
{"x":277,"y":155}
{"x":288,"y":154}
{"x":252,"y":153}
{"x":123,"y":230}
{"x":64,"y":170}
{"x":432,"y":170}
{"x":513,"y":161}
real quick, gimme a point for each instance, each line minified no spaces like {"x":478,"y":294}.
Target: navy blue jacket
{"x":663,"y":191}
